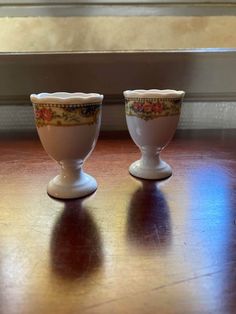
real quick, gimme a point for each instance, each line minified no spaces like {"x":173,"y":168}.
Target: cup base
{"x":163,"y":171}
{"x":64,"y":190}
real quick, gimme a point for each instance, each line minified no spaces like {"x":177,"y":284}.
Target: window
{"x":54,"y":45}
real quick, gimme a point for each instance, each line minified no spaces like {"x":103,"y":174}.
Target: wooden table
{"x":133,"y":247}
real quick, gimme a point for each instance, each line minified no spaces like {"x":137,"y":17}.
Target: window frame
{"x":101,"y":2}
{"x":205,"y":74}
{"x":23,"y":8}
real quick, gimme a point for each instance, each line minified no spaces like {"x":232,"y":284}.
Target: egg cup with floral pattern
{"x":68,"y":126}
{"x":152,"y":117}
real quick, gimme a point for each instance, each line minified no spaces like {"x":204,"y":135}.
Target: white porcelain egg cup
{"x":152,"y":117}
{"x":68,"y":126}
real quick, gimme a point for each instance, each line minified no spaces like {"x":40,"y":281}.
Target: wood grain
{"x":134,"y":246}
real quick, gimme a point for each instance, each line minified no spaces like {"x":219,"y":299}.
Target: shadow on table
{"x":76,"y":248}
{"x":148,"y":221}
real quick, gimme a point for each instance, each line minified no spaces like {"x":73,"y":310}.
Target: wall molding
{"x":56,"y":8}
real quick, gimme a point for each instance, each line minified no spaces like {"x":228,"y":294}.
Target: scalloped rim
{"x":153,"y":93}
{"x":66,"y":98}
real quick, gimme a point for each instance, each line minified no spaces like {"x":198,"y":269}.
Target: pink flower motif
{"x":147,"y":107}
{"x":46,"y":114}
{"x":137,"y":106}
{"x":157,"y":107}
{"x":38,"y":113}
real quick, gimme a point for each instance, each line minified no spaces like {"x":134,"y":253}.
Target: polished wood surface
{"x":132,"y":247}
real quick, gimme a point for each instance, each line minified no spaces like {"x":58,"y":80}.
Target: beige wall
{"x":116,"y":33}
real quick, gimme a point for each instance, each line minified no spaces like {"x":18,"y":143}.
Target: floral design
{"x":44,"y":114}
{"x":66,"y":115}
{"x":151,"y":108}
